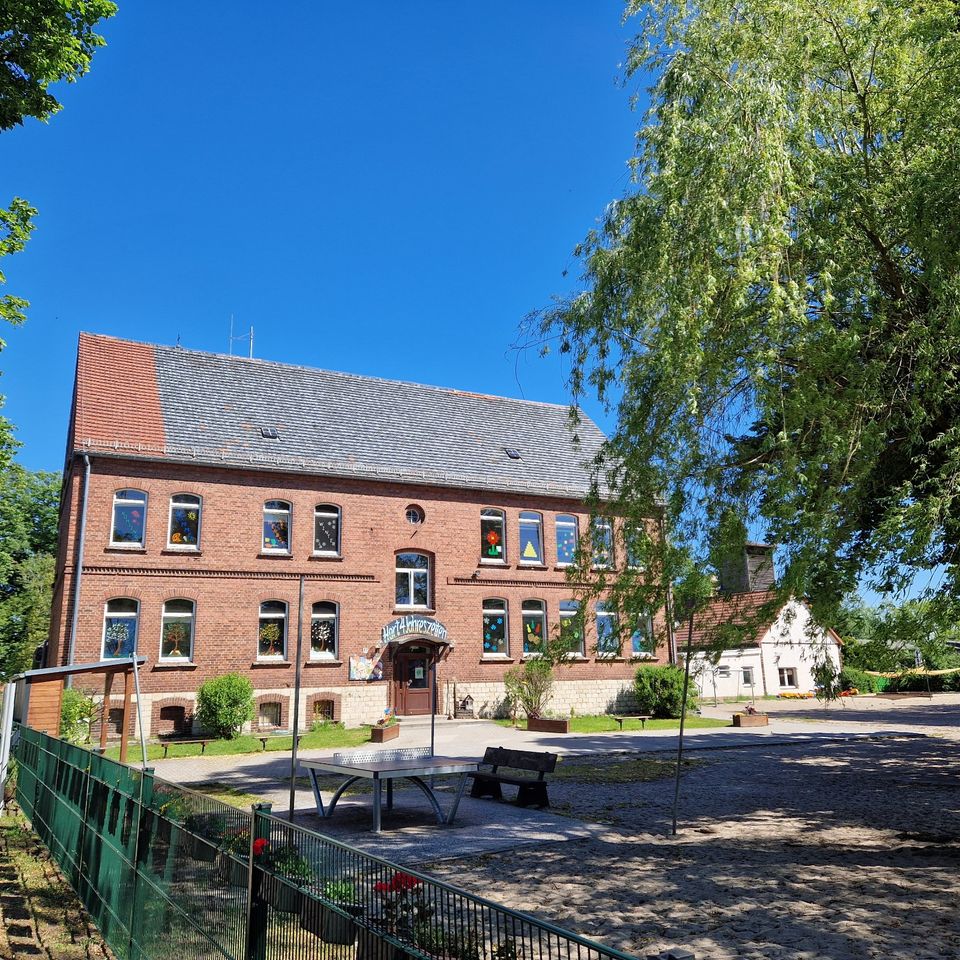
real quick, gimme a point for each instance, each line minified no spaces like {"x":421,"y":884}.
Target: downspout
{"x":78,"y":573}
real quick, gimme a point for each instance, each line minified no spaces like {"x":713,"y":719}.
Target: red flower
{"x":259,"y":845}
{"x":398,"y":882}
{"x":493,"y":537}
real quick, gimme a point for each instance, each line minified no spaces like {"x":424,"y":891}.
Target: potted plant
{"x":205,"y":833}
{"x":404,"y":912}
{"x":336,"y":924}
{"x":750,"y":718}
{"x":285,"y":872}
{"x":386,"y":728}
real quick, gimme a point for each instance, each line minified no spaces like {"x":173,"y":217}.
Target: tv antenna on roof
{"x":242,"y":336}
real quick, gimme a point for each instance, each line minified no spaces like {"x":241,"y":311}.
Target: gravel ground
{"x":840,"y":850}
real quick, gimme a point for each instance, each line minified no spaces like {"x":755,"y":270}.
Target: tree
{"x":773,"y":310}
{"x":41,"y":42}
{"x":29,"y":505}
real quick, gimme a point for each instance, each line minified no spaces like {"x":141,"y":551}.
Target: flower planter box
{"x":382,"y":734}
{"x":328,"y":924}
{"x":281,"y":896}
{"x":232,"y":871}
{"x":543,"y":725}
{"x":372,"y":947}
{"x":750,"y":720}
{"x":202,"y":850}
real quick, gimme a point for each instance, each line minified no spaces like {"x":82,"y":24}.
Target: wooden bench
{"x":642,"y":717}
{"x":532,"y":790}
{"x":274,"y":736}
{"x":167,"y":744}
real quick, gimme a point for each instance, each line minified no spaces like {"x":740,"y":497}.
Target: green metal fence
{"x":170,"y":874}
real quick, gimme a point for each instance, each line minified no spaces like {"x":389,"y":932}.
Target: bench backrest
{"x":521,"y":759}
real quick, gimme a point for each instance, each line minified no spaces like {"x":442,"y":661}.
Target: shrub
{"x":659,"y":691}
{"x":76,"y":715}
{"x":529,"y":686}
{"x":225,"y":704}
{"x":853,"y":679}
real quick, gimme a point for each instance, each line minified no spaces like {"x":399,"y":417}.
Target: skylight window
{"x":512,"y":453}
{"x":269,"y":433}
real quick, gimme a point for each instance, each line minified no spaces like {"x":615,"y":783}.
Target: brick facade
{"x":230,"y":576}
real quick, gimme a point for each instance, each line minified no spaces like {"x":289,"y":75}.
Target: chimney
{"x":750,"y":571}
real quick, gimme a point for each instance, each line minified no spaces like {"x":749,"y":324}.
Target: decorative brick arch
{"x":172,"y":716}
{"x":278,"y":698}
{"x":323,"y":697}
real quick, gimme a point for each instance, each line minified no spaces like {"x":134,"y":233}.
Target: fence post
{"x":256,"y":905}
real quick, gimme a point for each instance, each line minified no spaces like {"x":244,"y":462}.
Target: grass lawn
{"x":603,"y":723}
{"x":331,"y":735}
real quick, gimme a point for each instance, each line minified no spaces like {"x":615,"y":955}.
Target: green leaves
{"x":773,"y":313}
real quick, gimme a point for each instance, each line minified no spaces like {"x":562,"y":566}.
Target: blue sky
{"x":383,"y":188}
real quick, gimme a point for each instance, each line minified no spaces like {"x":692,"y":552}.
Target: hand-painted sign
{"x":413,"y":625}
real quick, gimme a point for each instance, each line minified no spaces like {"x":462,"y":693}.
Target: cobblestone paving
{"x":840,"y":850}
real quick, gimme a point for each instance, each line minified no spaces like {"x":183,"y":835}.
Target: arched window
{"x":120,"y":628}
{"x":176,"y":630}
{"x":324,"y":631}
{"x":272,"y":635}
{"x":566,"y":539}
{"x":413,"y":580}
{"x":183,"y":532}
{"x":496,"y":631}
{"x":531,"y":538}
{"x":608,"y":632}
{"x":276,"y":526}
{"x":571,"y":628}
{"x":534,"y":626}
{"x":129,"y":518}
{"x":493,"y":538}
{"x":326,"y":530}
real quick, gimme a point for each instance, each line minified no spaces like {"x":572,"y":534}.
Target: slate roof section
{"x":214,"y":407}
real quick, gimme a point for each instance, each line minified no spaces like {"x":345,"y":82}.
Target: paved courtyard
{"x":834,"y":833}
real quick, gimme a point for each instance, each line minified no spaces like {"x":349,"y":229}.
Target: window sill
{"x":531,"y":656}
{"x":565,"y":566}
{"x":492,"y":563}
{"x":575,"y":658}
{"x":406,"y":610}
{"x":611,"y":658}
{"x":328,"y":557}
{"x":119,"y":548}
{"x":643,"y":656}
{"x":174,"y":665}
{"x":182,"y":551}
{"x":323,"y":663}
{"x":497,"y":658}
{"x":532,"y":566}
{"x":274,"y":556}
{"x":260,"y":664}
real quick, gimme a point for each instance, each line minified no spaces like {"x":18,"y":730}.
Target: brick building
{"x":218,"y":511}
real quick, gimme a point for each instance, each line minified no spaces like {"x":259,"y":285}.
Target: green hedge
{"x":852,"y":678}
{"x":659,"y":692}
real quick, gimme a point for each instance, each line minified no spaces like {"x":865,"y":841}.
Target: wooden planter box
{"x":750,"y":720}
{"x":383,"y":734}
{"x":543,"y":725}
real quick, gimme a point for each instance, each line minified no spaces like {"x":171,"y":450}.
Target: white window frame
{"x":185,"y":547}
{"x":494,"y":612}
{"x":723,"y":671}
{"x":410,"y":572}
{"x":288,"y":512}
{"x":645,"y":631}
{"x":596,"y":524}
{"x":531,"y":518}
{"x":166,"y":617}
{"x":117,"y":499}
{"x":568,"y":521}
{"x":273,"y":615}
{"x":570,"y":610}
{"x":540,"y":614}
{"x":746,"y":676}
{"x":332,"y":510}
{"x":629,"y":531}
{"x":601,"y":611}
{"x":796,"y":679}
{"x":487,"y":513}
{"x":335,"y":617}
{"x":125,"y":615}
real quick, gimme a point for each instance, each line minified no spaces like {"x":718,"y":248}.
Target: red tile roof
{"x":737,"y":619}
{"x":117,"y":399}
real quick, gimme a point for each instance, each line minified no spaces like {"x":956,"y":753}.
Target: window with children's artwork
{"x":608,"y":641}
{"x":571,"y":628}
{"x":323,"y":631}
{"x":183,"y":532}
{"x":534,"y":626}
{"x":642,"y":641}
{"x":276,"y":526}
{"x":495,"y":628}
{"x":566,"y":540}
{"x":129,"y":518}
{"x":272,"y":630}
{"x":326,"y":530}
{"x":531,"y":538}
{"x":492,"y":536}
{"x":120,"y":628}
{"x":176,"y":630}
{"x":601,"y":535}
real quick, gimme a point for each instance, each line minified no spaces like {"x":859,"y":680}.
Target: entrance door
{"x":411,"y":673}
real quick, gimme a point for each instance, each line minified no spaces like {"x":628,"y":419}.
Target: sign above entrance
{"x":413,"y":626}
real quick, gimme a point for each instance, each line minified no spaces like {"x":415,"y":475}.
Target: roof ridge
{"x":337,"y":373}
